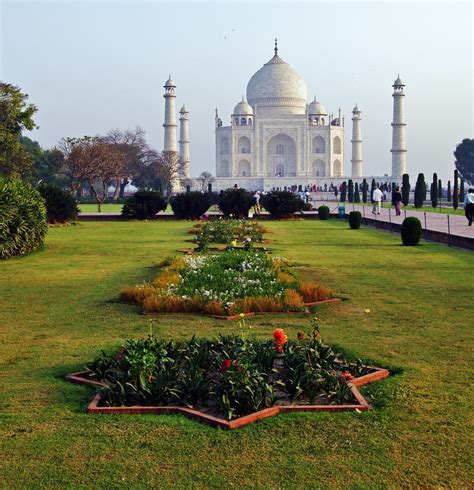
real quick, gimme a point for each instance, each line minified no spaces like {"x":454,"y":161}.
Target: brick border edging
{"x":247,"y":313}
{"x":362,"y":405}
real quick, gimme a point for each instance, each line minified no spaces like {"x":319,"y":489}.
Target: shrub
{"x":355,"y":220}
{"x":411,"y":231}
{"x":235,"y":202}
{"x":420,"y":191}
{"x":405,"y":189}
{"x":282,"y":204}
{"x":60,"y":205}
{"x":323,"y":212}
{"x":314,"y":292}
{"x":143,"y":205}
{"x":190,"y":205}
{"x":22,"y":218}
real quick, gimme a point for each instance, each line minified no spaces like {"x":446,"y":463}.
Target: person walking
{"x":377,"y":199}
{"x":396,"y":200}
{"x":256,"y":197}
{"x":469,"y":205}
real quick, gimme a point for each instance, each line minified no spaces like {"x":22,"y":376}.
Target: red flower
{"x":279,"y":336}
{"x":226,"y":364}
{"x":279,"y":348}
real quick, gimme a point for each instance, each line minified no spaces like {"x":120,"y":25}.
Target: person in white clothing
{"x":376,"y":199}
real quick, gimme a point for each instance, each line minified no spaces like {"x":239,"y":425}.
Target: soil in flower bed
{"x":226,"y":284}
{"x":228,"y":377}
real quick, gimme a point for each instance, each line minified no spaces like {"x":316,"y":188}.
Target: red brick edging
{"x":361,"y":405}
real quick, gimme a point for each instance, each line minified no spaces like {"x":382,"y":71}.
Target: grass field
{"x":57,"y":311}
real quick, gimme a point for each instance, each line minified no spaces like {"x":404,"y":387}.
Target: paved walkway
{"x":434,"y":221}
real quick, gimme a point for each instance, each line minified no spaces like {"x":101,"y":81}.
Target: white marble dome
{"x":316,"y":109}
{"x":277,"y":88}
{"x":243,"y":108}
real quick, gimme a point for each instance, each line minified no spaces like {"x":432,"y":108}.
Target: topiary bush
{"x":235,"y":202}
{"x":190,"y":205}
{"x":143,"y":205}
{"x":355,"y":220}
{"x":323,"y":212}
{"x":282,"y":204}
{"x":23,"y":223}
{"x":411,"y":231}
{"x":60,"y":205}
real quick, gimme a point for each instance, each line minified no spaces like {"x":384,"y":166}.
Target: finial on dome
{"x":243,"y":98}
{"x":276,"y":46}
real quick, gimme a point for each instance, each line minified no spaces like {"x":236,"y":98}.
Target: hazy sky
{"x":93,"y":66}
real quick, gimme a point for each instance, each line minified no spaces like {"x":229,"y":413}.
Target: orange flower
{"x":279,"y":336}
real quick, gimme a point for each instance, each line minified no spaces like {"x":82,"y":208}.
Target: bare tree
{"x":205,"y":178}
{"x":169,"y":169}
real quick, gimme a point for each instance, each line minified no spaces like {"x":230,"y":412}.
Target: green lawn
{"x":57,"y":311}
{"x":106,"y":208}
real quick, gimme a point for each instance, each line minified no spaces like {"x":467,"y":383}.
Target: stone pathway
{"x":434,"y":221}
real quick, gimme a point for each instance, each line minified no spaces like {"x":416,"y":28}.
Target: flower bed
{"x":231,"y":380}
{"x":234,"y":232}
{"x":226,"y":284}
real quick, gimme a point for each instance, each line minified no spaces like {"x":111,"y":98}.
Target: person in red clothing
{"x":396,"y":200}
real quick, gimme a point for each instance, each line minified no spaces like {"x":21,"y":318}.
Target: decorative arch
{"x":224,"y":143}
{"x":337,"y":168}
{"x":224,"y":168}
{"x":243,"y":121}
{"x":243,"y":145}
{"x":337,"y":145}
{"x":319,"y":144}
{"x":243,"y":169}
{"x":319,"y":169}
{"x":281,"y":156}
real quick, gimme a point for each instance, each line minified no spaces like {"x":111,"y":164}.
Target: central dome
{"x":277,"y":88}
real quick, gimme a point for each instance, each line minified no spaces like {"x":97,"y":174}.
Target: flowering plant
{"x":280,"y":339}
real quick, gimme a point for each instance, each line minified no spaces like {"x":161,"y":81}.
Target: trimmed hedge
{"x":282,"y":204}
{"x":143,"y":205}
{"x":411,"y":231}
{"x":23,"y":223}
{"x":60,"y":205}
{"x":190,"y":205}
{"x":323,"y":212}
{"x":355,"y":220}
{"x":235,"y":202}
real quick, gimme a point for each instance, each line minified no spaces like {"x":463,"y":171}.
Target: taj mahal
{"x":276,"y":140}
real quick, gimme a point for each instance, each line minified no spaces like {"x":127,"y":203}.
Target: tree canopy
{"x":16,"y":115}
{"x":464,"y":154}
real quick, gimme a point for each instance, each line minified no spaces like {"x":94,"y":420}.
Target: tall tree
{"x":15,"y":117}
{"x":205,"y":178}
{"x":462,"y":191}
{"x":405,"y":189}
{"x":448,"y":192}
{"x":350,"y":191}
{"x":169,"y":169}
{"x":356,"y":193}
{"x":434,"y":191}
{"x":343,"y":192}
{"x":440,"y":191}
{"x":456,"y":190}
{"x":364,"y":190}
{"x":420,"y":190}
{"x":464,"y":155}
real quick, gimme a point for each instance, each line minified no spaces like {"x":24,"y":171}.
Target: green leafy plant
{"x":282,"y":204}
{"x":61,"y":207}
{"x":323,"y":212}
{"x":143,"y":205}
{"x":23,"y":224}
{"x":235,"y":202}
{"x":355,"y":220}
{"x":411,"y":231}
{"x":190,"y":205}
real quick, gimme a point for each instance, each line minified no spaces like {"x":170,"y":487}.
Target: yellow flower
{"x":242,"y":315}
{"x":367,"y":310}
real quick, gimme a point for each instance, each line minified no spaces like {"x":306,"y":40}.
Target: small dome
{"x":243,"y":108}
{"x":183,"y":110}
{"x":356,"y":109}
{"x":316,"y":109}
{"x":170,"y":83}
{"x":398,"y":82}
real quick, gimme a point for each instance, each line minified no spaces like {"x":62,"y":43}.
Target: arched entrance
{"x":281,"y":156}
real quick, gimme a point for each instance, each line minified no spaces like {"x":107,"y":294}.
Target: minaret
{"x":184,"y":141}
{"x":399,"y":151}
{"x":356,"y":143}
{"x":170,"y":125}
